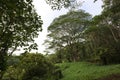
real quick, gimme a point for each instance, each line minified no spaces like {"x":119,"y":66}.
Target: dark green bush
{"x":39,"y":68}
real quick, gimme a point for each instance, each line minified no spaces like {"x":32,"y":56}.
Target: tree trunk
{"x":3,"y":57}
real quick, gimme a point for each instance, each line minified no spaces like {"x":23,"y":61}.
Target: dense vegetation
{"x":73,"y":37}
{"x":31,"y":66}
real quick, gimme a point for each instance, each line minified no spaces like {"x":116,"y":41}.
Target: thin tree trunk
{"x":114,"y":37}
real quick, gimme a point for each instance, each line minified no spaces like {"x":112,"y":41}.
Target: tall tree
{"x":19,"y":25}
{"x":110,"y":15}
{"x":67,"y":30}
{"x":101,"y":37}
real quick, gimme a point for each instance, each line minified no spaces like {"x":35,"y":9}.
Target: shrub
{"x":37,"y":67}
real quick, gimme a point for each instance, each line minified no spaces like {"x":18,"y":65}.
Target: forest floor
{"x":89,"y":71}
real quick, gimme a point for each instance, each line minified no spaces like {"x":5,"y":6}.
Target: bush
{"x":32,"y":67}
{"x":37,"y":67}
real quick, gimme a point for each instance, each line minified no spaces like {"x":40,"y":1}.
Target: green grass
{"x":86,"y":71}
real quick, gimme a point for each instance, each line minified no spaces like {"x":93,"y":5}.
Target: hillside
{"x":89,"y":71}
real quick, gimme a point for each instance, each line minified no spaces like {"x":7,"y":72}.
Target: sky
{"x":48,"y":15}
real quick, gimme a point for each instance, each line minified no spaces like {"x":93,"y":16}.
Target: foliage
{"x":12,"y":73}
{"x":58,"y":4}
{"x":32,"y":67}
{"x":103,"y":34}
{"x":110,"y":16}
{"x":19,"y":25}
{"x":37,"y":66}
{"x":53,"y":58}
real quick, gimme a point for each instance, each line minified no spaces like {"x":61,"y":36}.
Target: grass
{"x":87,"y":71}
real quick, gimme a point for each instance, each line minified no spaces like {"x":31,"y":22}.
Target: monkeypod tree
{"x":66,"y":31}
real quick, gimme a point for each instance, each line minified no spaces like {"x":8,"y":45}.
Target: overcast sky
{"x":47,"y":15}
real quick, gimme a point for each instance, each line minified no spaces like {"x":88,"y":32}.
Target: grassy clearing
{"x":87,"y":71}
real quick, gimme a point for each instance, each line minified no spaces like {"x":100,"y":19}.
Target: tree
{"x":110,"y":16}
{"x":66,"y":31}
{"x":19,"y":25}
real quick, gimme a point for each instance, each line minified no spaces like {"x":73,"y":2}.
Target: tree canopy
{"x":67,"y":30}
